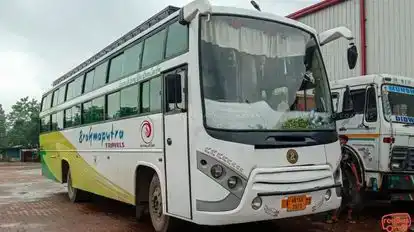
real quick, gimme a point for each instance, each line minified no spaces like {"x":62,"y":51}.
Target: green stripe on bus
{"x":45,"y":169}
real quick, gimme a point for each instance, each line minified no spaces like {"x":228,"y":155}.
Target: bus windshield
{"x":254,"y":76}
{"x":399,"y":103}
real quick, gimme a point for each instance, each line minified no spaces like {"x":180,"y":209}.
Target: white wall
{"x":334,"y":53}
{"x":390,"y":36}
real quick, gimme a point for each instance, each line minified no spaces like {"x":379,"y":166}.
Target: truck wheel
{"x":74,"y":194}
{"x":160,"y":221}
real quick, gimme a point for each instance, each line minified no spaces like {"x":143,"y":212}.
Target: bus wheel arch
{"x":65,"y":170}
{"x":143,"y":177}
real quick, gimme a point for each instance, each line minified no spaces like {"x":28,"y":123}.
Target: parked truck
{"x":381,"y":134}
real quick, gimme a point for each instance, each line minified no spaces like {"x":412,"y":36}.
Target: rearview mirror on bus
{"x":173,"y":84}
{"x":352,"y":56}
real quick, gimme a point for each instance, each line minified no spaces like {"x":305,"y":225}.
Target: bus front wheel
{"x":74,"y":194}
{"x":160,"y":221}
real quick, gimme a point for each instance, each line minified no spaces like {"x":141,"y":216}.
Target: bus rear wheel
{"x":74,"y":194}
{"x":160,"y":221}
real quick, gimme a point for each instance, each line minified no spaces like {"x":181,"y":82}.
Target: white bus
{"x":192,"y":115}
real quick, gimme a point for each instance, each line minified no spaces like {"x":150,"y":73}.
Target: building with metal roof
{"x":382,"y":29}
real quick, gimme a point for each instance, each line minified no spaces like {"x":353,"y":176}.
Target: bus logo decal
{"x":102,"y":137}
{"x":292,"y":156}
{"x":147,"y":133}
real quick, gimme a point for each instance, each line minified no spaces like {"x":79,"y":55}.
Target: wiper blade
{"x":408,"y":125}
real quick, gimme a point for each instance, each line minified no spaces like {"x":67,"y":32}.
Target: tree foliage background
{"x":20,"y":127}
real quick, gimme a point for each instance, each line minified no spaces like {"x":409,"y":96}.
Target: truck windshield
{"x":399,"y":103}
{"x":253,"y":76}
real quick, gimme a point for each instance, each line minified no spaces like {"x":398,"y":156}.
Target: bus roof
{"x":124,"y":39}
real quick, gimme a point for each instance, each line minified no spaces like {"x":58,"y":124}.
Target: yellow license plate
{"x":296,"y":203}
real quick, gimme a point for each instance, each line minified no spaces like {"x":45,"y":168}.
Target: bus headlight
{"x":232,"y":182}
{"x":217,"y":171}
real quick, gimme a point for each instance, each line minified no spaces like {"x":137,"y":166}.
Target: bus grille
{"x":404,"y":156}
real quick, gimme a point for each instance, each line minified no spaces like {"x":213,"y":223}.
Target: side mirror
{"x":334,"y":34}
{"x":348,"y":103}
{"x":352,"y":56}
{"x":348,"y":107}
{"x":174,"y":93}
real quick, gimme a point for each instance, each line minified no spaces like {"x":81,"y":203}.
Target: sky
{"x":40,"y":40}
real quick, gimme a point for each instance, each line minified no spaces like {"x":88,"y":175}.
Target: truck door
{"x":176,"y":143}
{"x":363,"y":129}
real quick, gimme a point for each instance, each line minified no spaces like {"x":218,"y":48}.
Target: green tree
{"x":3,"y":138}
{"x":23,"y":123}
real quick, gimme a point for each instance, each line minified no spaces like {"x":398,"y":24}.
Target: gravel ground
{"x":30,"y":202}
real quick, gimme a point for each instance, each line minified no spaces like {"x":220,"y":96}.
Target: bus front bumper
{"x":282,"y":195}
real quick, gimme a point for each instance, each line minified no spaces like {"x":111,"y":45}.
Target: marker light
{"x":232,"y":182}
{"x":388,"y":140}
{"x":328,"y":195}
{"x":256,"y":203}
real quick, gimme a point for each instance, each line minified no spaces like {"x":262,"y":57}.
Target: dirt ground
{"x":31,"y":203}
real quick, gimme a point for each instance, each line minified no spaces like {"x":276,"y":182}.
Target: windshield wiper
{"x":408,"y":125}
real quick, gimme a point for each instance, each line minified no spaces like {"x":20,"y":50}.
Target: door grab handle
{"x":169,"y":141}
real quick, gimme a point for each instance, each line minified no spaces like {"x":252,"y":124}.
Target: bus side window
{"x":371,"y":105}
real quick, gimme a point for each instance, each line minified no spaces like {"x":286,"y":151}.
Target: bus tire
{"x":160,"y":221}
{"x":75,"y":195}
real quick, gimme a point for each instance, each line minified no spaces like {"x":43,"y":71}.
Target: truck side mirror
{"x":348,"y":105}
{"x":352,"y":56}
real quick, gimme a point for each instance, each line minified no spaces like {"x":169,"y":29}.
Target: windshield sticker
{"x":400,"y":89}
{"x":404,"y":119}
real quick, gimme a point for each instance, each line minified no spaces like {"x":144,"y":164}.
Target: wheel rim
{"x":157,"y":216}
{"x":70,"y":188}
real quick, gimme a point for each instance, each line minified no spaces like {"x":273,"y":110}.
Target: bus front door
{"x":176,"y":144}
